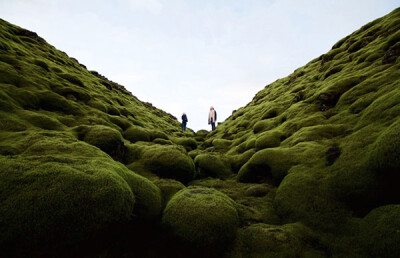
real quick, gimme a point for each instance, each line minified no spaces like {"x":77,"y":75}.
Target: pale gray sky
{"x":185,"y":56}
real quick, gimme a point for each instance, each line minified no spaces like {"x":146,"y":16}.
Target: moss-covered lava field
{"x":309,"y":168}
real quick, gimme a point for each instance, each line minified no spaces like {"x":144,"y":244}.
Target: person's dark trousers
{"x":213,"y":126}
{"x":183,"y":126}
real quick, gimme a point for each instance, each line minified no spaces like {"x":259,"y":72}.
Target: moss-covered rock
{"x":268,"y":139}
{"x":107,"y":139}
{"x":221,"y":144}
{"x":290,"y":240}
{"x":269,"y":165}
{"x":237,"y":161}
{"x":168,"y":188}
{"x":188,"y":216}
{"x":137,"y":133}
{"x":258,"y":190}
{"x":212,"y":165}
{"x":381,"y":231}
{"x":60,"y":188}
{"x":168,"y":162}
{"x":187,"y":142}
{"x":385,"y":161}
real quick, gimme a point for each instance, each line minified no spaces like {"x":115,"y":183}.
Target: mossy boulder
{"x":157,"y":134}
{"x":268,"y":139}
{"x":384,"y":160}
{"x":168,"y":162}
{"x":268,"y":165}
{"x":380,"y":231}
{"x":107,"y":139}
{"x":263,"y":125}
{"x":168,"y":188}
{"x":137,"y":133}
{"x":258,"y":190}
{"x":221,"y":144}
{"x":237,"y":161}
{"x":290,"y":240}
{"x":188,"y":143}
{"x":59,"y":188}
{"x":212,"y":165}
{"x":302,"y":196}
{"x":188,"y":215}
{"x":40,"y":120}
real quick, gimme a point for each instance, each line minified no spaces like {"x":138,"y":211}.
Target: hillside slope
{"x":326,"y":140}
{"x":64,"y":134}
{"x":310,"y":167}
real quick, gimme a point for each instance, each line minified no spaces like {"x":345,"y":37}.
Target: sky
{"x":185,"y":56}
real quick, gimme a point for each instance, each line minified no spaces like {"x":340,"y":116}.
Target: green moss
{"x":384,"y":160}
{"x":56,"y":69}
{"x":237,"y":161}
{"x":332,"y":71}
{"x":221,"y":144}
{"x":107,"y":139}
{"x":136,"y":133}
{"x":97,"y":105}
{"x":157,"y":134}
{"x":113,"y":110}
{"x":212,"y":165}
{"x":188,"y":143}
{"x":290,"y":240}
{"x":53,"y":102}
{"x":40,"y":120}
{"x":263,"y":125}
{"x":168,"y":188}
{"x":188,"y":216}
{"x":258,"y":190}
{"x":120,"y":122}
{"x":41,"y":64}
{"x":12,"y":125}
{"x":147,"y":195}
{"x":72,"y":79}
{"x":381,"y":231}
{"x":267,"y":165}
{"x":316,"y":133}
{"x":268,"y":139}
{"x":60,"y":189}
{"x":302,"y":197}
{"x":168,"y":162}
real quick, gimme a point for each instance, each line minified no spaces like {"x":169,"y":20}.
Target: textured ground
{"x":309,"y":168}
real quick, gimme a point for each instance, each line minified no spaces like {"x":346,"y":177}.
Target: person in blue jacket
{"x":184,"y":121}
{"x":212,"y":117}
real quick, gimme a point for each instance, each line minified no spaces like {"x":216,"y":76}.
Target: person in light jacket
{"x":212,"y":117}
{"x":184,"y":121}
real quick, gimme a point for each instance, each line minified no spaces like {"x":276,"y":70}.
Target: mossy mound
{"x":258,"y":190}
{"x":381,"y":231}
{"x":302,"y":197}
{"x":188,"y":216}
{"x":212,"y":165}
{"x":188,"y":143}
{"x":137,"y":133}
{"x":269,"y":165}
{"x":105,"y":138}
{"x":323,"y":143}
{"x":290,"y":240}
{"x":168,"y":188}
{"x":221,"y":144}
{"x":385,"y":161}
{"x":168,"y":162}
{"x":61,"y":188}
{"x":268,"y":139}
{"x":238,"y":160}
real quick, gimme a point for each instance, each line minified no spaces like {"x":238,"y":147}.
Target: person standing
{"x":212,"y":117}
{"x":184,"y":121}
